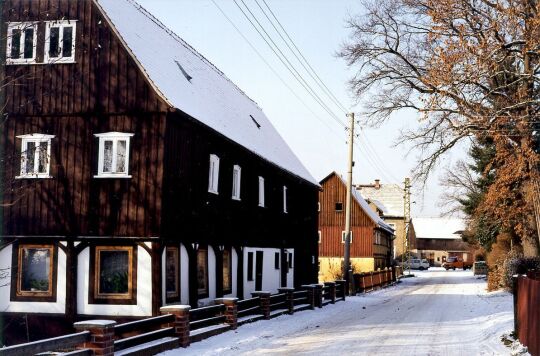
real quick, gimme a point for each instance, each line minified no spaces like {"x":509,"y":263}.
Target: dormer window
{"x":236,"y":182}
{"x":113,"y":159}
{"x":21,"y":43}
{"x":60,"y":41}
{"x":35,"y":155}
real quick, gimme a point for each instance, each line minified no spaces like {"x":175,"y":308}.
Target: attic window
{"x":255,"y":122}
{"x":339,"y":206}
{"x":188,"y":77}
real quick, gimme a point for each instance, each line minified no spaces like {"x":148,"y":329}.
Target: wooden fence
{"x":526,"y":290}
{"x":179,"y":324}
{"x":368,"y":281}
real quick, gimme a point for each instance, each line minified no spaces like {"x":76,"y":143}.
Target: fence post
{"x":289,"y":298}
{"x":231,"y":310}
{"x":101,"y":336}
{"x":264,"y":299}
{"x":331,"y":290}
{"x":310,"y":294}
{"x":181,"y":321}
{"x":341,"y":283}
{"x":318,"y":295}
{"x":515,"y":291}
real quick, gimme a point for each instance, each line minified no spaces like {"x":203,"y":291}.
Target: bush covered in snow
{"x":519,"y":265}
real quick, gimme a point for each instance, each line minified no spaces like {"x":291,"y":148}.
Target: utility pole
{"x":407,"y":221}
{"x":347,"y":272}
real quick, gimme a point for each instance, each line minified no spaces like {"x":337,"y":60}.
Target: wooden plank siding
{"x":102,"y":91}
{"x":332,"y":222}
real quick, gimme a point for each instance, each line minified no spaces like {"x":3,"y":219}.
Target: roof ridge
{"x":171,"y":33}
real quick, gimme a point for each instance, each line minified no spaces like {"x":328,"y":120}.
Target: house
{"x":135,"y":173}
{"x":439,"y":238}
{"x":389,"y":199}
{"x":370,"y":236}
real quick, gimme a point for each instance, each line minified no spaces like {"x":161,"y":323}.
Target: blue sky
{"x":318,"y":29}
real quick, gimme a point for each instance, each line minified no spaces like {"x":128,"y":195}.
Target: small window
{"x":35,"y":156}
{"x":261,"y":191}
{"x":114,"y":275}
{"x":60,"y":41}
{"x":290,"y":260}
{"x":237,"y":171}
{"x":172,"y":272}
{"x":34,"y":274}
{"x":113,"y":159}
{"x":213,"y":174}
{"x":318,"y":206}
{"x":227,"y":271}
{"x":320,"y":236}
{"x":21,"y":43}
{"x":250,"y":266}
{"x":284,"y":199}
{"x":343,"y":237}
{"x":276,"y":260}
{"x":339,"y":206}
{"x":202,"y":272}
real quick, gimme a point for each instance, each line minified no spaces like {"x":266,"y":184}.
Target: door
{"x":258,"y":270}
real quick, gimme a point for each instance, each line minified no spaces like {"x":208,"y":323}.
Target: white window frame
{"x":261,"y":192}
{"x":114,"y":137}
{"x":343,"y":236}
{"x":285,"y":199}
{"x":237,"y":175}
{"x":60,"y":24}
{"x":21,"y":26}
{"x":213,"y":174}
{"x":320,"y":236}
{"x":37,"y":139}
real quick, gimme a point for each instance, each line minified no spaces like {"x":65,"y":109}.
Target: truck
{"x":454,"y":262}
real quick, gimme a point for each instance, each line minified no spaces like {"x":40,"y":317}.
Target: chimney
{"x":377,"y":184}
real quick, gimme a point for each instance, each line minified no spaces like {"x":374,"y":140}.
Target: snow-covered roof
{"x":190,"y":83}
{"x":438,"y":228}
{"x":379,"y":205}
{"x":365,"y":206}
{"x":390,"y":195}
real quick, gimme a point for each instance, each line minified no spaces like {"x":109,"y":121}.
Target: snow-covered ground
{"x":436,"y":313}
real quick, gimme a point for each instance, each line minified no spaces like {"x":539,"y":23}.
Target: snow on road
{"x":435,"y":313}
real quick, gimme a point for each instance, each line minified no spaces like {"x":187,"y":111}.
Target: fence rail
{"x":66,"y":342}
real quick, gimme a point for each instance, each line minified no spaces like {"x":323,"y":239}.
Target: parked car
{"x":480,"y":268}
{"x":456,"y":262}
{"x":416,"y":263}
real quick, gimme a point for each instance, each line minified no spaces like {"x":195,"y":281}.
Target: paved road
{"x":435,"y":313}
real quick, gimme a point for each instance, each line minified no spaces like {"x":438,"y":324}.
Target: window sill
{"x":261,"y":206}
{"x":235,"y":198}
{"x":34,"y":176}
{"x":121,"y":176}
{"x":213,"y":192}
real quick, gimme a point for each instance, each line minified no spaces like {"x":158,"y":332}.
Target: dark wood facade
{"x":166,"y":199}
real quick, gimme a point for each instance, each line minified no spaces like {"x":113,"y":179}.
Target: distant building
{"x":371,"y":236}
{"x":388,"y":199}
{"x":439,"y":238}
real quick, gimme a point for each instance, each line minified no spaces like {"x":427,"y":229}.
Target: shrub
{"x":519,"y":265}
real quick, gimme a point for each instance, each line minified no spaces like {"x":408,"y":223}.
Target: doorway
{"x":258,"y":270}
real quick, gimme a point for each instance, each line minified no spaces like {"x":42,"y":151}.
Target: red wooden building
{"x":371,"y":236}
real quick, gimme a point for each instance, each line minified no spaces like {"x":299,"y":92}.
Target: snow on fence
{"x":179,"y":324}
{"x":527,"y":310}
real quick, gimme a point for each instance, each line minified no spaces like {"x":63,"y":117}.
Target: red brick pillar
{"x":289,"y":298}
{"x":310,"y":295}
{"x":181,"y":321}
{"x":318,"y":295}
{"x":341,"y":283}
{"x":231,"y":311}
{"x":264,"y":298}
{"x":101,"y":336}
{"x":331,"y":291}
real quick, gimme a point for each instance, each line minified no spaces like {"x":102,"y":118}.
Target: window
{"x":60,"y":41}
{"x":318,"y":206}
{"x":34,"y":273}
{"x":290,"y":260}
{"x":250,"y":266}
{"x":172,"y":273}
{"x":276,"y":260}
{"x":35,"y":155}
{"x":236,"y":182}
{"x":213,"y":174}
{"x":320,"y":236}
{"x":261,"y":192}
{"x":339,"y":206}
{"x":343,"y":237}
{"x":21,"y":43}
{"x":227,"y":271}
{"x":114,"y":279}
{"x":113,"y":160}
{"x":202,"y":272}
{"x":284,"y":199}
